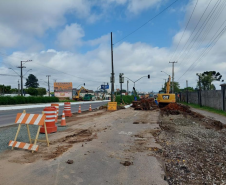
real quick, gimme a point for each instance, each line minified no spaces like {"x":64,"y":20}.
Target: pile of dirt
{"x":145,"y":104}
{"x":176,"y":109}
{"x":103,"y":107}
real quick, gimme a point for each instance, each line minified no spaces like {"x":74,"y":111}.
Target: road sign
{"x":104,"y":86}
{"x":112,"y":106}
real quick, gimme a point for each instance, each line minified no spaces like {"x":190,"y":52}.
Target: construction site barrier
{"x":90,"y":108}
{"x":67,"y":109}
{"x":79,"y":109}
{"x":29,"y":119}
{"x":56,"y":105}
{"x":50,"y":120}
{"x":63,"y":121}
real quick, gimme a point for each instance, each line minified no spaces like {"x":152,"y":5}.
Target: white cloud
{"x":136,"y":6}
{"x":71,"y":36}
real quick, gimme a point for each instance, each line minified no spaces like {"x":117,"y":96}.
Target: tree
{"x":5,"y":89}
{"x":32,"y":91}
{"x":176,"y":87}
{"x":32,"y":81}
{"x":190,"y":89}
{"x":41,"y":91}
{"x":206,"y":79}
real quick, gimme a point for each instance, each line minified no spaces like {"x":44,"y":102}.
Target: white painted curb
{"x":127,"y":106}
{"x":48,"y":104}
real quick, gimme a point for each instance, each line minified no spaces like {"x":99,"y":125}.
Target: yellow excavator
{"x":76,"y":94}
{"x":164,"y":98}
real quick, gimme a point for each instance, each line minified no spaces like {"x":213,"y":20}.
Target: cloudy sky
{"x":70,"y":40}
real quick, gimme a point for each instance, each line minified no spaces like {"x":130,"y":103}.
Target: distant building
{"x":63,"y":90}
{"x":83,"y":92}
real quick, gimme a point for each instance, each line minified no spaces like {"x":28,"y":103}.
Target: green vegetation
{"x":206,"y":79}
{"x":68,"y":100}
{"x":8,"y":100}
{"x":209,"y":109}
{"x":32,"y":81}
{"x":127,"y":99}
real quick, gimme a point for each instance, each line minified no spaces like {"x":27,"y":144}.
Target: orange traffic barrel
{"x":50,"y":113}
{"x":57,"y":110}
{"x":67,"y":109}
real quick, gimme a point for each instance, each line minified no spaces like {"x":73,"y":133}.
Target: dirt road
{"x":97,"y":148}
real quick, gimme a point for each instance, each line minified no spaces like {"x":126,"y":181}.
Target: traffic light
{"x":148,"y":76}
{"x":84,"y":84}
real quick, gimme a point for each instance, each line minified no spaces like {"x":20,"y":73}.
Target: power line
{"x":146,"y":22}
{"x":206,"y":50}
{"x":185,"y":28}
{"x":202,"y":27}
{"x":66,"y":73}
{"x":195,"y":28}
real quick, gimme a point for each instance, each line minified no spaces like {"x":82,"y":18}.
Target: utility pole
{"x":173,"y":75}
{"x":187,"y":89}
{"x":128,"y":86}
{"x":48,"y":84}
{"x":121,"y":80}
{"x":112,"y":72}
{"x":18,"y":87}
{"x":21,"y":73}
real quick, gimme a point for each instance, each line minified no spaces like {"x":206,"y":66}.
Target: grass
{"x":67,"y":100}
{"x":209,"y":109}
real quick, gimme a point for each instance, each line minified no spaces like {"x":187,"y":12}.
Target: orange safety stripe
{"x":23,"y":145}
{"x":30,"y":119}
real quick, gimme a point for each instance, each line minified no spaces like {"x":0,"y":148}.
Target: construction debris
{"x":70,"y":162}
{"x":145,"y":104}
{"x":126,"y":163}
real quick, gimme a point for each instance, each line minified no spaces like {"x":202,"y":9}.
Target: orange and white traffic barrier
{"x":79,"y":109}
{"x":22,"y":145}
{"x":29,"y":119}
{"x":57,"y":110}
{"x":90,"y":109}
{"x":63,"y":121}
{"x":67,"y":109}
{"x":50,"y":120}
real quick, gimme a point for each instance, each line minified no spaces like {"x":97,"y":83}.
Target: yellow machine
{"x":76,"y":94}
{"x":166,"y":98}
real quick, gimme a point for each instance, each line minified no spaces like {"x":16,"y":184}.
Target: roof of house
{"x":89,"y":91}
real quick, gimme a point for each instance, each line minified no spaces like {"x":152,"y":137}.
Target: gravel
{"x":193,"y":151}
{"x":9,"y":133}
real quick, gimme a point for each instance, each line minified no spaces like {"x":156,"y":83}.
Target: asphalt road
{"x":7,"y":117}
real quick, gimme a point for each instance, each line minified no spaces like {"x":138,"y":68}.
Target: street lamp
{"x":165,"y":73}
{"x":27,"y":71}
{"x":80,"y":85}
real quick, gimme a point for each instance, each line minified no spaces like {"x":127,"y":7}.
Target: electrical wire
{"x":210,"y":46}
{"x":195,"y":27}
{"x":146,"y":22}
{"x":202,"y":27}
{"x":185,"y":29}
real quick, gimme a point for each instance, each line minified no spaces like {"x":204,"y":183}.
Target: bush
{"x":32,"y":91}
{"x":8,"y":100}
{"x":127,"y":99}
{"x":41,"y":91}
